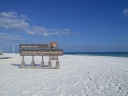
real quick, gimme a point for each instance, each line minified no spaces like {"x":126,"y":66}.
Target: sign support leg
{"x":49,"y":62}
{"x":57,"y":63}
{"x":42,"y":63}
{"x":22,"y":63}
{"x":32,"y":63}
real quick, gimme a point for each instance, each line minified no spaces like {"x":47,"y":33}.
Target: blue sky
{"x":77,"y":25}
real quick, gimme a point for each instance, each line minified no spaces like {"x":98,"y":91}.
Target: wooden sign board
{"x":48,"y":52}
{"x":53,"y":57}
{"x":33,"y":45}
{"x":41,"y":50}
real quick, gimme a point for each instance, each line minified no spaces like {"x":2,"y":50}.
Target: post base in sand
{"x":22,"y":64}
{"x":49,"y":63}
{"x":32,"y":64}
{"x":42,"y":63}
{"x":57,"y":64}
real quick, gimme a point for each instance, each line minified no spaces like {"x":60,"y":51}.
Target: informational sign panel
{"x":47,"y":52}
{"x":41,"y":50}
{"x":33,"y":45}
{"x":53,"y":57}
{"x":54,"y":45}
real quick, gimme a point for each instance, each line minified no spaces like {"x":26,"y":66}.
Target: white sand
{"x":77,"y":76}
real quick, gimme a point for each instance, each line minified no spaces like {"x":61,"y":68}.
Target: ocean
{"x":113,"y":54}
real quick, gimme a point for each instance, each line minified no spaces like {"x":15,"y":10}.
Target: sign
{"x":54,"y":45}
{"x":53,"y":57}
{"x":38,"y":50}
{"x":57,"y":52}
{"x":33,"y":45}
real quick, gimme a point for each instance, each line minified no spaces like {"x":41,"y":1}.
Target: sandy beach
{"x":77,"y":76}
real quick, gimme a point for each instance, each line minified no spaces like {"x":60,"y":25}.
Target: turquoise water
{"x":115,"y":54}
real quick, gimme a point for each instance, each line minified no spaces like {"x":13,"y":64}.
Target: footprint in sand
{"x":26,"y":92}
{"x":92,"y":93}
{"x":101,"y":88}
{"x":46,"y":88}
{"x":64,"y":85}
{"x":58,"y":89}
{"x":76,"y":84}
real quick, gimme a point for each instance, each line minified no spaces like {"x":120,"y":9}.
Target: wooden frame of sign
{"x":39,"y":50}
{"x":55,"y":45}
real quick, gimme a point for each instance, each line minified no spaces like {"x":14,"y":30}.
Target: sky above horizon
{"x":77,"y":25}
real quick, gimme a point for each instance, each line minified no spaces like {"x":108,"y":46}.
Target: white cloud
{"x":125,"y":12}
{"x":24,"y":17}
{"x":77,"y":33}
{"x":9,"y":14}
{"x":60,"y":32}
{"x":10,"y":21}
{"x":13,"y":21}
{"x":66,"y":32}
{"x":4,"y":36}
{"x":40,"y":30}
{"x":37,"y":30}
